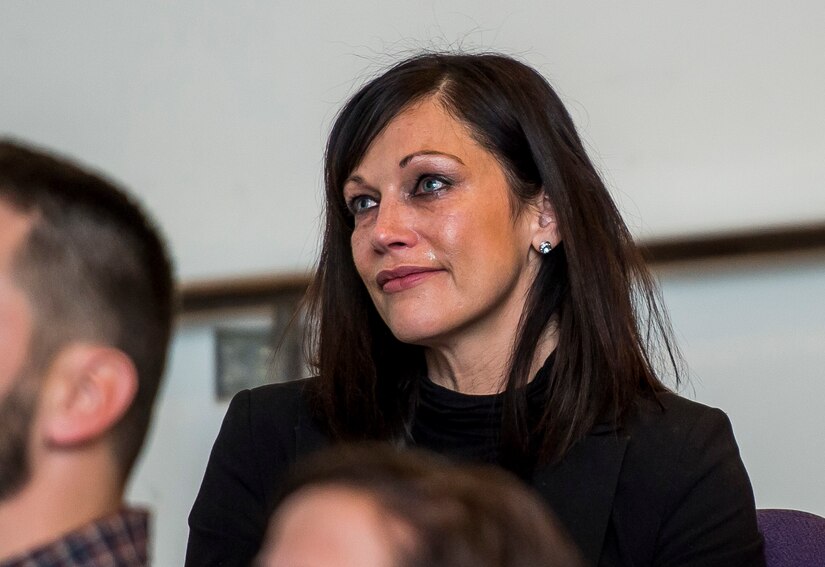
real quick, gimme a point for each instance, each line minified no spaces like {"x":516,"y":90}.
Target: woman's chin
{"x":421,"y":335}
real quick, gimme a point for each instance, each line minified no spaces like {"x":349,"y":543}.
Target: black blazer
{"x":667,"y":488}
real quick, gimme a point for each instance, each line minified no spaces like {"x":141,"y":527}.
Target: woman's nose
{"x":394,"y":226}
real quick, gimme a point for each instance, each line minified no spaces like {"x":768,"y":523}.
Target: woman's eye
{"x":432,"y":184}
{"x":361,"y":203}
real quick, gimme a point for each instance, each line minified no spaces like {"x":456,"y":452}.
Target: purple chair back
{"x":792,"y":538}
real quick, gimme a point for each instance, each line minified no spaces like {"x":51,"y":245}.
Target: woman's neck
{"x":481,"y":366}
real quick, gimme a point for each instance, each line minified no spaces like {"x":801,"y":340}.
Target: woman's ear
{"x":88,"y":388}
{"x":546,"y":229}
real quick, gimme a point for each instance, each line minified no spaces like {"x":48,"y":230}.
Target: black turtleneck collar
{"x":468,"y":426}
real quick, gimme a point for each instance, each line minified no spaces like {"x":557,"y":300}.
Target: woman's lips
{"x":405,"y":277}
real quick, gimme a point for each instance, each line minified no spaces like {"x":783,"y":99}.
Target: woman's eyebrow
{"x":407,"y":159}
{"x":357,"y":179}
{"x":354,"y":179}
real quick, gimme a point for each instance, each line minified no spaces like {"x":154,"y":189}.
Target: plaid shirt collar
{"x":119,"y":540}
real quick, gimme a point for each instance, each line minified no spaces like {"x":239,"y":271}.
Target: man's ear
{"x":88,"y":388}
{"x":545,"y":225}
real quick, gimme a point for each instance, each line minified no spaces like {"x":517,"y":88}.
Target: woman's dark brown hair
{"x":612,"y":332}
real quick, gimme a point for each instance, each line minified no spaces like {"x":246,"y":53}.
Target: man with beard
{"x":86,"y":301}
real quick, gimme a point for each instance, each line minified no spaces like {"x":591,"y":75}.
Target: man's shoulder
{"x":118,"y":539}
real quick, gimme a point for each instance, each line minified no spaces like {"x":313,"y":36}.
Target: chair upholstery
{"x":792,"y":538}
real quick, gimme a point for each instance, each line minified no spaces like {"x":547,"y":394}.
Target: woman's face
{"x":436,"y":241}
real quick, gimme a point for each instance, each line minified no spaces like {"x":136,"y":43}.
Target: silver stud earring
{"x":545,"y":247}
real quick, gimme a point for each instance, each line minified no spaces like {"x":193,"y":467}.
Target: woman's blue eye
{"x":432,"y":184}
{"x":361,"y":203}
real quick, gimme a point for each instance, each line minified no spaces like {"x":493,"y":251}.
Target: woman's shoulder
{"x":282,"y":394}
{"x":276,"y":405}
{"x":261,"y":436}
{"x":670,"y":432}
{"x":668,"y":413}
{"x":682,"y":475}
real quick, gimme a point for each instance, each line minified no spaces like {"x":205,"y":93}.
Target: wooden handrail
{"x":233,"y":293}
{"x":761,"y":241}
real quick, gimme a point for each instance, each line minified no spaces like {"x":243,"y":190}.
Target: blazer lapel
{"x":581,"y":487}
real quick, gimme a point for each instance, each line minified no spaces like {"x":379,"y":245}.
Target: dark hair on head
{"x":612,"y":333}
{"x":94,"y":269}
{"x":460,"y":516}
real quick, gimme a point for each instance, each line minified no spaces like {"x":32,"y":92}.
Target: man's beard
{"x":16,"y":417}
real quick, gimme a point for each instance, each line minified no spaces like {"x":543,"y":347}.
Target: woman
{"x":478,"y":294}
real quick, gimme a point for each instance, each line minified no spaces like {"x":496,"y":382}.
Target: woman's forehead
{"x":423,"y":129}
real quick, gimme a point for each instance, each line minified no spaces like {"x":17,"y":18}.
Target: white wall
{"x":703,"y":116}
{"x":754,"y":337}
{"x":185,"y":424}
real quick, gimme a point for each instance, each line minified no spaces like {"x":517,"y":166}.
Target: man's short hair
{"x":460,"y":515}
{"x":94,"y":268}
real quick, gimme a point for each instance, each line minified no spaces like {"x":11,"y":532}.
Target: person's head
{"x":86,"y":302}
{"x":375,"y":505}
{"x":444,"y":177}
